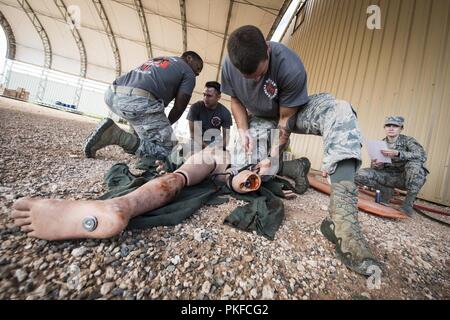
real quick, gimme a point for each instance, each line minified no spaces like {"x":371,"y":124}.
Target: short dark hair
{"x":213,"y":84}
{"x":247,"y":48}
{"x":193,"y":54}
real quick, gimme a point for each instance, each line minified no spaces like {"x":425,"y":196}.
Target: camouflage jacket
{"x":410,"y":150}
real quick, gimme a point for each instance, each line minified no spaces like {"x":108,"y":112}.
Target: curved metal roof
{"x":114,"y":36}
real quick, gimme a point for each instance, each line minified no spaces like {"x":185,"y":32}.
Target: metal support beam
{"x":7,"y":72}
{"x":112,"y":39}
{"x":183,"y":23}
{"x":119,"y":36}
{"x":143,"y":20}
{"x":80,"y":44}
{"x":301,"y":6}
{"x":45,"y":42}
{"x":277,"y":21}
{"x":269,"y":10}
{"x":225,"y":36}
{"x":11,"y":50}
{"x":170,"y":18}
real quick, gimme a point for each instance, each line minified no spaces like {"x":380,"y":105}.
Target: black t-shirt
{"x":211,"y":119}
{"x":163,"y":77}
{"x":284,"y":84}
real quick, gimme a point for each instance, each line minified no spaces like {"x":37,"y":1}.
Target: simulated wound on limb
{"x":52,"y":219}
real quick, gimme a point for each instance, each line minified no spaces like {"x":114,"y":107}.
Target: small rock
{"x":227,"y":292}
{"x":106,"y":288}
{"x":117,"y":292}
{"x":6,"y":244}
{"x":43,"y":266}
{"x":300,"y":267}
{"x":267,"y":292}
{"x":21,"y":275}
{"x":365,"y":295}
{"x":78,"y":252}
{"x":124,"y":251}
{"x":93,"y":267}
{"x":206,"y":287}
{"x":312,"y":263}
{"x":219,"y":281}
{"x":140,"y":294}
{"x":4,"y":261}
{"x":247,"y":259}
{"x":41,"y":244}
{"x":41,"y":291}
{"x":253,"y":293}
{"x":171,"y":268}
{"x":175,"y":260}
{"x":110,"y":259}
{"x":62,"y":293}
{"x":10,"y":197}
{"x":198,"y":236}
{"x":109,"y":273}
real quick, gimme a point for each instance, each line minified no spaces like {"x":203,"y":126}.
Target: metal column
{"x":45,"y":42}
{"x":80,"y":44}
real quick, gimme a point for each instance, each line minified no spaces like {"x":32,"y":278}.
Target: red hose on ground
{"x":363,"y":204}
{"x":416,"y":205}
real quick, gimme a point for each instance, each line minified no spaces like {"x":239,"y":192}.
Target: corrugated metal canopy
{"x":118,"y":35}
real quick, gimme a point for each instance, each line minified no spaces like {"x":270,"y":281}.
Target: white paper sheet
{"x":374,"y":148}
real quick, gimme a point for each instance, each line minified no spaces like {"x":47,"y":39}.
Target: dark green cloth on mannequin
{"x":263,"y":213}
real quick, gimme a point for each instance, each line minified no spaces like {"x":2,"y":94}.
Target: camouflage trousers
{"x":411,"y":179}
{"x":324,"y":115}
{"x":147,"y":118}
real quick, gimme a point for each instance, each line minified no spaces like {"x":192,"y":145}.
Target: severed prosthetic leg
{"x":52,"y":219}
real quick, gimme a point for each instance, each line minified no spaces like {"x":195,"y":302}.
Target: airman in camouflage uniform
{"x":324,"y":115}
{"x":140,"y":97}
{"x":407,"y":170}
{"x":267,"y":83}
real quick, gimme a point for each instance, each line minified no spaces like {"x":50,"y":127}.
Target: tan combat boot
{"x":385,"y":194}
{"x":408,"y":204}
{"x":107,"y":133}
{"x":343,"y":229}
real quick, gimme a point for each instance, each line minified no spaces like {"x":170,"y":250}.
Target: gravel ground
{"x":41,"y":155}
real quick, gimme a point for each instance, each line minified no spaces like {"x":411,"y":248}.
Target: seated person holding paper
{"x":407,"y":170}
